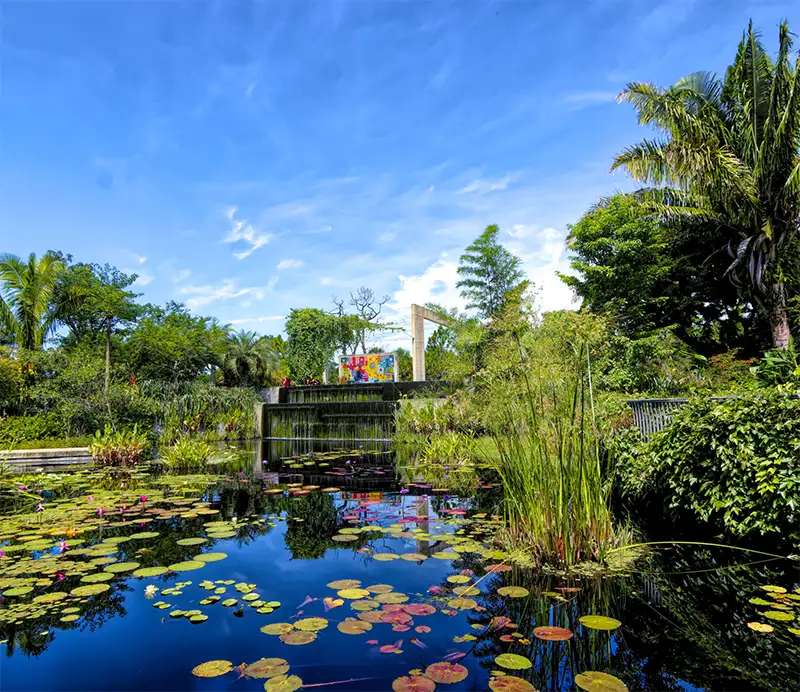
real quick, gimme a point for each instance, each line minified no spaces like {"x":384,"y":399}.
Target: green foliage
{"x":172,"y":345}
{"x":122,"y":448}
{"x":729,"y":462}
{"x":54,"y":443}
{"x":17,"y":429}
{"x":187,"y":453}
{"x":488,"y":274}
{"x":440,"y":352}
{"x":10,"y":384}
{"x":728,"y":157}
{"x":313,"y":338}
{"x":247,"y":359}
{"x":778,"y":367}
{"x":636,"y":269}
{"x":26,"y":293}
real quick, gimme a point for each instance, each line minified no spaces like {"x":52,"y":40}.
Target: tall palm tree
{"x":246,"y":356}
{"x":26,"y":298}
{"x":728,"y":156}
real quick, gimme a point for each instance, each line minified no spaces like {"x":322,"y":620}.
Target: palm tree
{"x":729,"y":157}
{"x":26,"y":298}
{"x":246,"y":356}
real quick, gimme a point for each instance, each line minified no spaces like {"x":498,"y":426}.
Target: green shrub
{"x":778,"y":366}
{"x":17,"y":429}
{"x":187,"y":453}
{"x":123,"y":448}
{"x":55,"y":443}
{"x":733,"y":463}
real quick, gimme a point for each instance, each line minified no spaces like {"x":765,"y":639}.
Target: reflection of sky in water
{"x":146,"y":649}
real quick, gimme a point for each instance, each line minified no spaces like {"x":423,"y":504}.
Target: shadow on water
{"x":684,"y":611}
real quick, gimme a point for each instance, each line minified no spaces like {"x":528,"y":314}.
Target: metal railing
{"x":653,"y":415}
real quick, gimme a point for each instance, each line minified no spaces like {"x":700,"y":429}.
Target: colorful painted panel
{"x":372,"y":367}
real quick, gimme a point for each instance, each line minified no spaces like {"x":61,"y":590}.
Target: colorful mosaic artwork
{"x":372,"y":367}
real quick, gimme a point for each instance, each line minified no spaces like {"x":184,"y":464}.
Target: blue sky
{"x":248,"y":158}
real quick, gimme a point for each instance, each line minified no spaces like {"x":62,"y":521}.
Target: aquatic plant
{"x":121,"y":448}
{"x":187,"y":453}
{"x":556,"y":500}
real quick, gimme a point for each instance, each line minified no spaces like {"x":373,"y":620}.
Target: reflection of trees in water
{"x":32,"y":637}
{"x":697,"y":632}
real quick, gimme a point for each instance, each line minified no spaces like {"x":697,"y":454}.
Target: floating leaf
{"x":353,"y":626}
{"x":413,"y":683}
{"x":395,"y":618}
{"x":253,"y":596}
{"x":510,"y":683}
{"x":53,"y":597}
{"x":89,"y":590}
{"x":422,"y":629}
{"x":212,"y":669}
{"x":277,"y":628}
{"x":118,"y":567}
{"x":295,"y":638}
{"x":513,"y":591}
{"x":458,"y":579}
{"x":372,"y":616}
{"x":18,"y":591}
{"x":774,"y":589}
{"x":363,"y":605}
{"x":593,"y":681}
{"x":446,"y":673}
{"x":352,"y":594}
{"x":210,"y":557}
{"x":552,"y":634}
{"x":149,"y":571}
{"x":344,"y":584}
{"x":462,"y":603}
{"x":760,"y":627}
{"x":778,"y":615}
{"x":229,"y":602}
{"x":178,"y":613}
{"x":380,"y":588}
{"x":191,"y":541}
{"x":344,"y":538}
{"x":197,"y":619}
{"x":187,"y":566}
{"x":466,"y":591}
{"x":599,"y":622}
{"x":760,"y":601}
{"x":69,"y":618}
{"x":420,"y":609}
{"x":414,"y":557}
{"x":385,"y":557}
{"x":311,"y":624}
{"x":513,"y":662}
{"x":144,"y":535}
{"x":283,"y":683}
{"x":267,"y":668}
{"x":393,"y":597}
{"x":97,"y":577}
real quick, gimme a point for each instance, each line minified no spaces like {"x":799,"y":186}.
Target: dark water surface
{"x":684,"y":611}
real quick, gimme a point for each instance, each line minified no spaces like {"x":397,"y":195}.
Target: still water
{"x":355,"y":582}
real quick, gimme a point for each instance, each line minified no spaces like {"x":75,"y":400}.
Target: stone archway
{"x":418,"y":316}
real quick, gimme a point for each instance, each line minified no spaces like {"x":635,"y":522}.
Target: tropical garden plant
{"x":119,"y":449}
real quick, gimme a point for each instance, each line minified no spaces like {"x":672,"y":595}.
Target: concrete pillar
{"x":418,"y":343}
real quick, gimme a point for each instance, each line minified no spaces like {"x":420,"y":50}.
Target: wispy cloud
{"x":243,"y":231}
{"x":181,"y":275}
{"x":257,"y":320}
{"x":143,"y":278}
{"x":290,"y":264}
{"x":228,"y":289}
{"x":586,"y":99}
{"x":481,"y":187}
{"x":388,"y":236}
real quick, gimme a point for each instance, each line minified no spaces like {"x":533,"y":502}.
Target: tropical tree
{"x":26,"y":298}
{"x":246,"y":357}
{"x":728,"y":155}
{"x":489,"y":273}
{"x":314,"y":336}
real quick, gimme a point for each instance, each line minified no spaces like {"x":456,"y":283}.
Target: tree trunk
{"x":108,"y":355}
{"x":779,"y":318}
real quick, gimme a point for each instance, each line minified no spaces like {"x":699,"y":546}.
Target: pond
{"x":343,"y":578}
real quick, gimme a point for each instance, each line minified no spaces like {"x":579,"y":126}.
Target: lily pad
{"x":392,"y":597}
{"x":599,"y":622}
{"x":462,"y":603}
{"x":353,"y":626}
{"x":774,"y":589}
{"x":283,"y":683}
{"x":187,"y":566}
{"x":229,"y":602}
{"x":513,"y":662}
{"x":779,"y":616}
{"x":458,"y":579}
{"x":311,"y":624}
{"x":344,"y":538}
{"x":446,"y":673}
{"x":210,"y":557}
{"x":212,"y":669}
{"x":253,"y":596}
{"x":118,"y":567}
{"x":89,"y":590}
{"x":69,"y":618}
{"x":295,"y":638}
{"x":197,"y":619}
{"x":760,"y":627}
{"x":510,"y":683}
{"x":149,"y":571}
{"x":552,"y":634}
{"x":420,"y":609}
{"x":414,"y":557}
{"x":344,"y":584}
{"x":593,"y":681}
{"x":353,"y":594}
{"x":18,"y":591}
{"x":513,"y":591}
{"x":191,"y":541}
{"x":413,"y":683}
{"x":53,"y":597}
{"x":277,"y":628}
{"x":267,"y":668}
{"x":385,"y":557}
{"x":97,"y":577}
{"x":380,"y":588}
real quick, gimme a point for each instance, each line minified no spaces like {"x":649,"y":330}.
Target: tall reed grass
{"x":556,"y":500}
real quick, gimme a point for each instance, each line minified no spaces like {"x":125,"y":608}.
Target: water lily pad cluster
{"x":778,"y":607}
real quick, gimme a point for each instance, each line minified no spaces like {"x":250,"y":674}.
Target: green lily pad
{"x":513,"y":662}
{"x":779,"y":615}
{"x":283,"y":683}
{"x":251,"y":597}
{"x":118,"y":567}
{"x":89,"y":590}
{"x":593,"y":681}
{"x":97,"y":577}
{"x":210,"y":557}
{"x":69,"y":618}
{"x":150,"y":571}
{"x":50,"y":597}
{"x":197,"y":619}
{"x":18,"y":591}
{"x":229,"y":602}
{"x":276,"y":628}
{"x":513,"y":591}
{"x":212,"y":669}
{"x":187,"y":566}
{"x":191,"y":541}
{"x":267,"y":668}
{"x":599,"y":622}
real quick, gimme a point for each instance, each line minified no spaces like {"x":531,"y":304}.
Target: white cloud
{"x":290,"y":264}
{"x":584,"y":99}
{"x":262,"y":318}
{"x":242,"y":231}
{"x":228,"y":289}
{"x":324,"y":229}
{"x":181,"y":275}
{"x":521,"y":231}
{"x":143,"y":278}
{"x":481,"y":187}
{"x":387,"y":237}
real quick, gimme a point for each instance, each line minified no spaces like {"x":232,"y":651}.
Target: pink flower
{"x":91,"y":499}
{"x":143,"y":498}
{"x":99,"y":511}
{"x":2,"y":554}
{"x":404,"y":491}
{"x":60,"y":576}
{"x":63,"y":546}
{"x":20,"y":487}
{"x":40,"y":507}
